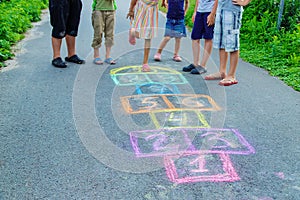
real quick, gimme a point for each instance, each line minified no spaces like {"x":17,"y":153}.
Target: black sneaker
{"x":58,"y":62}
{"x":74,"y":59}
{"x":199,"y":70}
{"x":188,"y":68}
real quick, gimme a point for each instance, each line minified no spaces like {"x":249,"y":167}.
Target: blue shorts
{"x":200,"y":28}
{"x":227,"y":30}
{"x":175,"y":28}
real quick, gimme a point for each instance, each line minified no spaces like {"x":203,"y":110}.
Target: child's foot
{"x":146,"y":68}
{"x":215,"y":76}
{"x":97,"y":61}
{"x":157,"y":57}
{"x":199,"y":70}
{"x":228,"y":81}
{"x":132,"y":40}
{"x":177,"y":58}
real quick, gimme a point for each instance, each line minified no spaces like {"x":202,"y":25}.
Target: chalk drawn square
{"x":167,"y":78}
{"x":193,"y":101}
{"x":214,"y":140}
{"x":130,"y":79}
{"x":178,"y":119}
{"x":195,"y":167}
{"x":143,"y":103}
{"x":158,"y":142}
{"x":156,"y":88}
{"x":163,"y":142}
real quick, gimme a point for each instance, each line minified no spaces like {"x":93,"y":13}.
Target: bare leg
{"x":223,"y":61}
{"x":108,"y":49}
{"x":70,"y":40}
{"x":196,"y":51}
{"x":96,"y":53}
{"x":56,"y":45}
{"x":146,"y":50}
{"x":234,"y":58}
{"x":207,"y":52}
{"x":177,"y":46}
{"x":163,"y":44}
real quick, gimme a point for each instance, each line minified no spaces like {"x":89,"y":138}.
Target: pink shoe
{"x":146,"y":68}
{"x":177,"y":58}
{"x":157,"y":57}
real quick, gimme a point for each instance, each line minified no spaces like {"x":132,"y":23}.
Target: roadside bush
{"x":15,"y":18}
{"x":263,"y":45}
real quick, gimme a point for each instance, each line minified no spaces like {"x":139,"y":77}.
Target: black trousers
{"x":65,"y":17}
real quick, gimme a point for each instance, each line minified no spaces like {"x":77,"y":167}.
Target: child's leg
{"x":234,"y":57}
{"x":163,"y":44}
{"x":97,"y":22}
{"x":207,"y":51}
{"x":70,"y":41}
{"x":147,"y":46}
{"x":223,"y":61}
{"x":145,"y":67}
{"x":196,"y":52}
{"x":177,"y":46}
{"x":230,"y":78}
{"x":96,"y":53}
{"x":109,"y":24}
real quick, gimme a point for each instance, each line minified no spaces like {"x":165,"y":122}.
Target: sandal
{"x":177,"y":58}
{"x":132,"y":40}
{"x":110,"y":61}
{"x":74,"y":59}
{"x":146,"y":68}
{"x":228,"y":82}
{"x":97,"y":61}
{"x":215,"y":76}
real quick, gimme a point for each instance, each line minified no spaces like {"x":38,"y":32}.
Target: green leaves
{"x":277,"y":51}
{"x":15,"y":19}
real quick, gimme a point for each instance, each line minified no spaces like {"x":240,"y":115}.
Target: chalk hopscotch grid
{"x":132,"y":75}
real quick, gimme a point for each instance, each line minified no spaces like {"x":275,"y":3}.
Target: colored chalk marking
{"x":178,"y":119}
{"x":138,"y":69}
{"x":163,"y":142}
{"x":195,"y":167}
{"x":168,"y":102}
{"x":132,"y":75}
{"x":156,"y":88}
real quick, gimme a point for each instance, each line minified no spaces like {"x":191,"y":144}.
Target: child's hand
{"x":241,"y":2}
{"x":210,"y":19}
{"x":164,"y":4}
{"x":193,"y":17}
{"x":130,"y":15}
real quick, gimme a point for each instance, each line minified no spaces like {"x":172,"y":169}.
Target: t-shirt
{"x":205,"y":5}
{"x":104,"y":5}
{"x":228,"y":5}
{"x":175,"y":9}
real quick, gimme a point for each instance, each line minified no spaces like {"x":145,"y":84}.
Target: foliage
{"x":277,"y":51}
{"x":15,"y":18}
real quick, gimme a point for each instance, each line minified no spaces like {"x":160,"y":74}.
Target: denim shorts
{"x":175,"y":28}
{"x":200,"y":28}
{"x":227,"y":30}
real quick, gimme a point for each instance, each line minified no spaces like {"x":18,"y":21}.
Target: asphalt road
{"x":112,"y":132}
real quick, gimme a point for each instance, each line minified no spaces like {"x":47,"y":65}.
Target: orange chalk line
{"x":171,"y":107}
